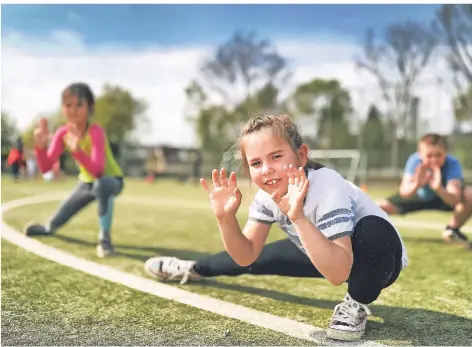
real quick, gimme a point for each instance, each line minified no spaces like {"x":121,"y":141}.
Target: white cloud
{"x":35,"y":70}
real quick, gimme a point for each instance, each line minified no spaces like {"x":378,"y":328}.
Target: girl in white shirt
{"x":334,"y":229}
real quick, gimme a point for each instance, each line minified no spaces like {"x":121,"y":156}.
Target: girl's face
{"x":267,"y":155}
{"x":76,"y":110}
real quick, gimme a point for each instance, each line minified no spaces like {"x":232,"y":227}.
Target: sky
{"x":156,"y":50}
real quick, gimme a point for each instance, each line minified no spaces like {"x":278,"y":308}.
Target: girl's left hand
{"x":291,"y":204}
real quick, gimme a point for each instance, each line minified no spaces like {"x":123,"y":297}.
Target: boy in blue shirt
{"x":433,"y":180}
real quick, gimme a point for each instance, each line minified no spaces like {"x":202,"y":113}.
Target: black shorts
{"x":416,"y":204}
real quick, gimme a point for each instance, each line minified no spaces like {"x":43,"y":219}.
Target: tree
{"x":9,"y":133}
{"x":463,"y":106}
{"x":242,"y":66}
{"x":242,"y":77}
{"x":454,"y":25}
{"x":119,"y":113}
{"x":373,"y":137}
{"x":329,"y":104}
{"x":406,"y":48}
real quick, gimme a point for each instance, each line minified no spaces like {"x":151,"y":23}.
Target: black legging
{"x":377,"y":253}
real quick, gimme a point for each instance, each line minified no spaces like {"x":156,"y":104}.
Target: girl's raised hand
{"x":291,"y":204}
{"x":41,"y":134}
{"x":225,"y":196}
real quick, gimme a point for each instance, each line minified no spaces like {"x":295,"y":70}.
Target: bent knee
{"x":104,"y":186}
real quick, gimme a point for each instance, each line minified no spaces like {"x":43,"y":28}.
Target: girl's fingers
{"x":43,"y":124}
{"x":301,"y":170}
{"x":233,"y":183}
{"x":214,"y":178}
{"x":223,"y":179}
{"x":291,"y":178}
{"x":304,"y":189}
{"x":296,"y":174}
{"x":275,"y":197}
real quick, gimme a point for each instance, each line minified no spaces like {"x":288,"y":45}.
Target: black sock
{"x":448,"y":227}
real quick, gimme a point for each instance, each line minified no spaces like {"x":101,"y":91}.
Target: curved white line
{"x":265,"y":320}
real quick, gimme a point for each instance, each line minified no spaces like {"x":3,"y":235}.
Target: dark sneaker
{"x":455,"y":235}
{"x":105,"y":249}
{"x":34,"y":229}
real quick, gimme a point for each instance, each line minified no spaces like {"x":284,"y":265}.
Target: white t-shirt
{"x":333,"y":204}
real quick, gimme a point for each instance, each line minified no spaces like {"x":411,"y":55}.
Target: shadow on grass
{"x":145,"y":251}
{"x":412,"y":326}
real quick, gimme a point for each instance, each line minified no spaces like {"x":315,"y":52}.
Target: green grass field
{"x":44,"y":303}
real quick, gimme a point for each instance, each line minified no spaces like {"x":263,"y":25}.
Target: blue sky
{"x":154,"y":51}
{"x":204,"y":24}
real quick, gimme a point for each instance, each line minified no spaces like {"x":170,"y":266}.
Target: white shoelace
{"x":176,"y":268}
{"x":349,"y":312}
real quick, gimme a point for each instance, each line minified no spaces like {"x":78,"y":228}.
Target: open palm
{"x":225,"y":197}
{"x":436,"y":180}
{"x":291,"y":204}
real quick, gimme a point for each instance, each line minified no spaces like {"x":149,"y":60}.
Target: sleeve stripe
{"x":260,"y":220}
{"x":335,"y":213}
{"x":335,"y":221}
{"x":337,"y":236}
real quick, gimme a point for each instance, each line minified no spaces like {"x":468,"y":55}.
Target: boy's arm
{"x":452,"y":193}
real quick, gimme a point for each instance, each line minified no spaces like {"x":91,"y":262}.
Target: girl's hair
{"x":82,"y":91}
{"x":282,"y":127}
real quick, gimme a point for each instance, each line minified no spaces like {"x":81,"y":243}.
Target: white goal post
{"x":357,"y":169}
{"x":355,"y":172}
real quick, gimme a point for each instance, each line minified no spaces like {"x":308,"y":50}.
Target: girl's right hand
{"x":225,"y":197}
{"x":41,"y":134}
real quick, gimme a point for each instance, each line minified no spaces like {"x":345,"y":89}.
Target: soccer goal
{"x":350,"y":163}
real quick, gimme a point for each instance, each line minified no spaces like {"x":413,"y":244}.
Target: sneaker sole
{"x":344,"y":335}
{"x":165,"y":278}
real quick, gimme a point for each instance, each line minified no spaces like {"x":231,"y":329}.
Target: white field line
{"x":265,"y":320}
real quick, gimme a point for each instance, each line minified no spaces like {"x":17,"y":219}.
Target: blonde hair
{"x":282,"y":126}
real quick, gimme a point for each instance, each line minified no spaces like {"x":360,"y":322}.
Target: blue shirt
{"x":450,"y":170}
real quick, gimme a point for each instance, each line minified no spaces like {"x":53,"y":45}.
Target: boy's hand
{"x":421,"y":175}
{"x":436,"y":178}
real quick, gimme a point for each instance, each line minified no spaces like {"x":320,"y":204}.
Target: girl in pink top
{"x":100,"y":176}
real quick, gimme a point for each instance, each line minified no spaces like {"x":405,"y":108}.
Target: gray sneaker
{"x":105,"y":249}
{"x":35,"y":229}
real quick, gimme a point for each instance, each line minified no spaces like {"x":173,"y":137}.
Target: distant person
{"x":16,"y":160}
{"x":100,"y":176}
{"x":334,"y":230}
{"x":433,"y":180}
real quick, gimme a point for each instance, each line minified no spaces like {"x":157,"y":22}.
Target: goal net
{"x":350,"y":163}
